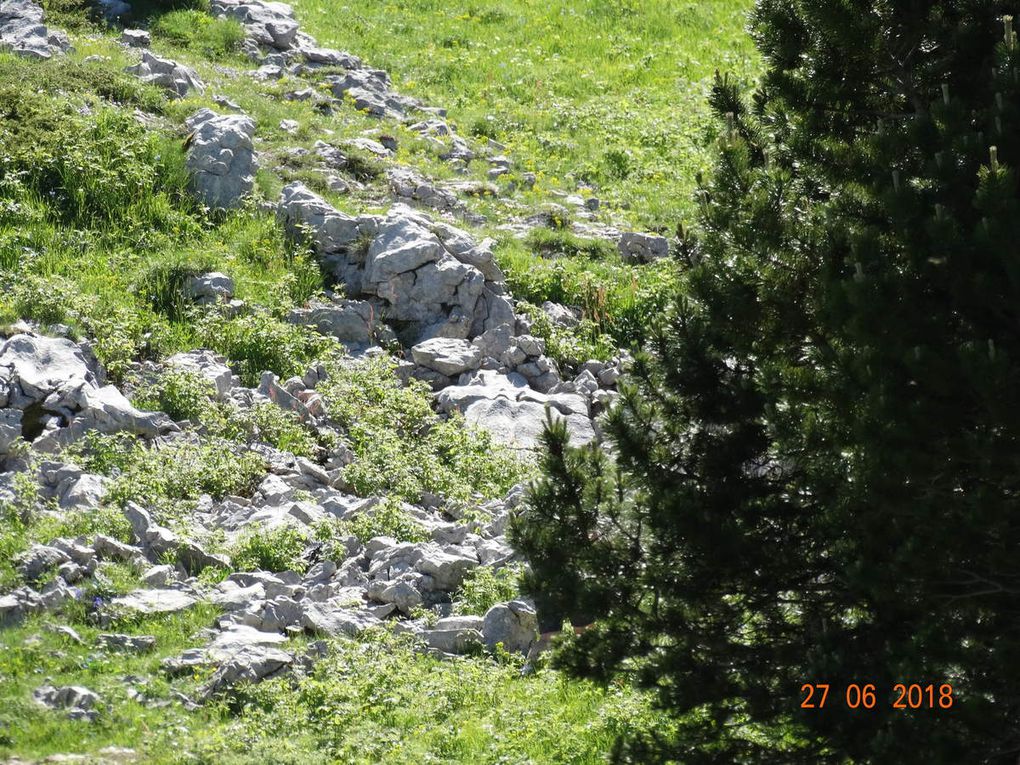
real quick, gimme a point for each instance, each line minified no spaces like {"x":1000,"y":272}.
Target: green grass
{"x":373,"y":700}
{"x":609,"y":93}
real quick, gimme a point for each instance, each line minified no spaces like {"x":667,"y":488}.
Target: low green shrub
{"x":484,"y":587}
{"x":403,"y":448}
{"x":277,"y":549}
{"x":181,"y":394}
{"x":557,"y":243}
{"x":258,"y":342}
{"x":160,"y":476}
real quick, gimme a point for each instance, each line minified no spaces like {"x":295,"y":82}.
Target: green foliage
{"x":258,"y":342}
{"x":181,"y":394}
{"x":162,"y":475}
{"x":386,"y":518}
{"x":619,"y":302}
{"x":276,"y":549}
{"x":569,"y":346}
{"x":199,"y":32}
{"x":486,"y":586}
{"x":553,"y":243}
{"x":815,"y":464}
{"x":403,"y":448}
{"x":378,"y":700}
{"x":280,"y":428}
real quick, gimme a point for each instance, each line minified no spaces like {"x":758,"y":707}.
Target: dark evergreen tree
{"x":816,"y":462}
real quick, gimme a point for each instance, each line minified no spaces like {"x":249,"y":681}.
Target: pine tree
{"x":816,"y":461}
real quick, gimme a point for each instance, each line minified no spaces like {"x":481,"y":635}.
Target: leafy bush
{"x":273,"y":550}
{"x":569,"y":345}
{"x":181,"y":394}
{"x":551,"y":243}
{"x":159,"y":476}
{"x":258,"y":342}
{"x":485,"y":586}
{"x":403,"y":448}
{"x":161,"y":284}
{"x":278,"y":427}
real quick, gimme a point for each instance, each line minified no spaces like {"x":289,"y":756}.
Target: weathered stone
{"x":514,"y":624}
{"x":323,"y":620}
{"x":79,"y":702}
{"x":221,"y":159}
{"x":209,"y":366}
{"x":268,"y":24}
{"x":447,"y":356}
{"x":136,"y":38}
{"x":23,"y":33}
{"x":446,"y":569}
{"x":127,"y":643}
{"x":513,"y":413}
{"x":40,"y":559}
{"x":84,"y":492}
{"x":643,"y":248}
{"x":176,"y":78}
{"x":306,"y":213}
{"x":349,"y":321}
{"x":155,"y":601}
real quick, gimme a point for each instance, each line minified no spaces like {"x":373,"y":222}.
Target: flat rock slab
{"x":156,"y":601}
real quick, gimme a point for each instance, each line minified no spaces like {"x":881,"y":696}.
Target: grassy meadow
{"x":605,"y":93}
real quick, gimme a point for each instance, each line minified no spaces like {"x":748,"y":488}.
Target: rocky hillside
{"x":278,"y":344}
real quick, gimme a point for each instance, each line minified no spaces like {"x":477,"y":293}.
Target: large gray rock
{"x":455,"y":634}
{"x":77,"y":701}
{"x":251,"y":664}
{"x":324,"y":619}
{"x":643,"y":248}
{"x":10,"y":428}
{"x":23,"y":33}
{"x":12,"y":610}
{"x":209,"y":366}
{"x":447,"y":356}
{"x":429,"y":277}
{"x":209,"y":288}
{"x":82,"y":492}
{"x":349,"y":321}
{"x":369,"y":90}
{"x":513,"y":413}
{"x":136,"y":38}
{"x":39,"y":365}
{"x":446,"y":569}
{"x":305,"y":213}
{"x":408,"y":184}
{"x":127,"y":643}
{"x":268,"y":24}
{"x":51,"y":382}
{"x":39,"y":560}
{"x":165,"y":73}
{"x":221,"y":157}
{"x":513,"y":624}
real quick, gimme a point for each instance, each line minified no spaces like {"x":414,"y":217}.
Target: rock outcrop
{"x":23,"y":33}
{"x":221,"y":157}
{"x":52,"y":396}
{"x":175,"y":78}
